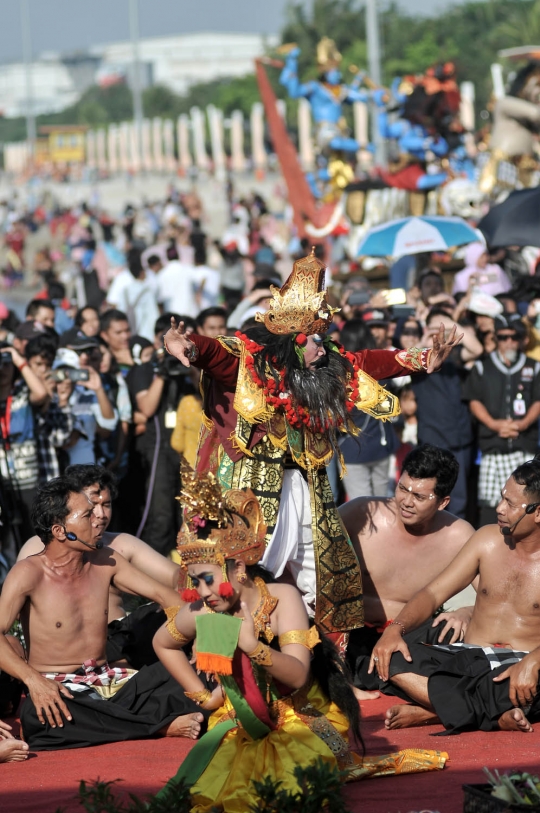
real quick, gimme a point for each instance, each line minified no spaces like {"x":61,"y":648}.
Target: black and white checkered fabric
{"x":497,"y":656}
{"x":495,"y":469}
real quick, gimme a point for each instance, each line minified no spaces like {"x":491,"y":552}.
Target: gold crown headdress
{"x":328,"y":56}
{"x":219,"y":525}
{"x":299,"y":306}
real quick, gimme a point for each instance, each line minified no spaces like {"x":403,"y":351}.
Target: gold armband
{"x":261,"y":655}
{"x":308,"y":638}
{"x":199,"y":697}
{"x":171,"y":627}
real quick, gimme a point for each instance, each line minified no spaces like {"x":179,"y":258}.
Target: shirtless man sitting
{"x":129,"y":640}
{"x":62,"y":596}
{"x":402,"y":543}
{"x":491,"y":680}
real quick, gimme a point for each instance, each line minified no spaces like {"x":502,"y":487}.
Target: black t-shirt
{"x":443,"y":416}
{"x":140,"y":378}
{"x":506,"y":392}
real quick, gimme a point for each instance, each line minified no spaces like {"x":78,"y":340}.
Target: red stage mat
{"x":50,"y":779}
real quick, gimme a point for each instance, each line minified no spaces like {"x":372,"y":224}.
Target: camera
{"x":5,"y":358}
{"x":70,"y":374}
{"x":359,"y":298}
{"x":167,"y":366}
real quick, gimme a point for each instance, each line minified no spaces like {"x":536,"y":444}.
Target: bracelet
{"x":399,"y":624}
{"x":199,"y":697}
{"x":193,"y":353}
{"x":23,"y":365}
{"x":261,"y":655}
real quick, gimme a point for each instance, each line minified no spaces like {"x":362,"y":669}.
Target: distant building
{"x":182,"y":61}
{"x":53,"y":89}
{"x":178,"y":62}
{"x":62,"y":144}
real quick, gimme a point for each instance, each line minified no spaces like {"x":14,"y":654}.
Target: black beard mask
{"x":322,"y":392}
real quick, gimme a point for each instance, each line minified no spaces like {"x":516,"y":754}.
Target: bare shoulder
{"x":30,"y":547}
{"x":484,"y":540}
{"x":128,"y":545}
{"x":186,"y":616}
{"x":24,"y":576}
{"x":456,"y":530}
{"x":123,"y":543}
{"x":284,"y":592}
{"x":360,"y":515}
{"x":290,"y":612}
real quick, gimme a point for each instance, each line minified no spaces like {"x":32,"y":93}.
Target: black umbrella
{"x":515,"y":221}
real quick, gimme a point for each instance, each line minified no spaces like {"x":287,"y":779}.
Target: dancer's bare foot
{"x":515,"y":720}
{"x":361,"y":694}
{"x":188,"y":725}
{"x":409,"y":716}
{"x":12,"y":750}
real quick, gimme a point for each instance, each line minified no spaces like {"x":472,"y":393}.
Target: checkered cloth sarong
{"x":495,"y":469}
{"x":496,"y":655}
{"x":104,"y":680}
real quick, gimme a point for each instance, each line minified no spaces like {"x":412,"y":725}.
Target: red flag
{"x":300,"y":195}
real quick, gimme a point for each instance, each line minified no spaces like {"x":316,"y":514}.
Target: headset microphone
{"x":73,"y":537}
{"x":509,"y":530}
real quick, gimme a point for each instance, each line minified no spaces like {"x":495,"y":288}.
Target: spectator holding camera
{"x":93,"y":411}
{"x":20,"y":390}
{"x":156,"y":388}
{"x":53,"y":418}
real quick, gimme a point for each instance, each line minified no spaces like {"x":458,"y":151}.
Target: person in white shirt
{"x":135,"y":292}
{"x":210,"y":280}
{"x":181,"y":286}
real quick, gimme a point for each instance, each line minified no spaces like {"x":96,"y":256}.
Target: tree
{"x":160,"y":101}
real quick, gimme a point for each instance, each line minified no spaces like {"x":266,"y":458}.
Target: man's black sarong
{"x":362,"y":641}
{"x":149,"y":701}
{"x":130,"y":638}
{"x":460,"y":684}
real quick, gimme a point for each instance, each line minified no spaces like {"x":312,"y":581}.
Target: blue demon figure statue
{"x":336,"y":149}
{"x":424,"y":126}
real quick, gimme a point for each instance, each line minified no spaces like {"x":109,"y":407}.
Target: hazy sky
{"x":64,"y":25}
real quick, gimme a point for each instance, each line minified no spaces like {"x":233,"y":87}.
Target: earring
{"x":242,"y":578}
{"x":225,"y":589}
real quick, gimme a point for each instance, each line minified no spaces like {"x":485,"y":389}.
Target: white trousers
{"x":291,"y":543}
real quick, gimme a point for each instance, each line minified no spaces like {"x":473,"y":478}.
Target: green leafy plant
{"x":517,"y":788}
{"x":320,"y":791}
{"x":99,"y":797}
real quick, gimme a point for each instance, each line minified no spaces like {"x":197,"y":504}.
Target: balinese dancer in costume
{"x":283,"y":698}
{"x":275,"y":400}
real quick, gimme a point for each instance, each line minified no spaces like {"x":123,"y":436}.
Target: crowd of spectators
{"x":85,"y":379}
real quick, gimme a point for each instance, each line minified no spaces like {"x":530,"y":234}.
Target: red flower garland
{"x":278,"y":398}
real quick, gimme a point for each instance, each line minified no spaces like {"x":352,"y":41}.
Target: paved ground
{"x":114,"y":193}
